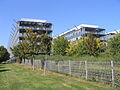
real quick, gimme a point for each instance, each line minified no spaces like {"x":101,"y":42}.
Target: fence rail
{"x":107,"y":72}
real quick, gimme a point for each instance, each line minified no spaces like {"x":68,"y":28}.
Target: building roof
{"x":114,"y":32}
{"x":80,"y":26}
{"x":32,"y":20}
{"x":90,"y":26}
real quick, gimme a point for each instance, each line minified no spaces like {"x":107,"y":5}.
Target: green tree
{"x":85,"y":46}
{"x":4,"y":55}
{"x":114,"y":46}
{"x":91,"y":45}
{"x":101,"y":46}
{"x":20,"y":51}
{"x":17,"y":53}
{"x":45,"y":43}
{"x":59,"y":45}
{"x":94,"y":46}
{"x":77,"y":48}
{"x":71,"y":48}
{"x":80,"y":47}
{"x":31,"y":38}
{"x":28,"y":46}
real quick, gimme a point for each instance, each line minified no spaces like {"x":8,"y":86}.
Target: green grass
{"x":21,"y":77}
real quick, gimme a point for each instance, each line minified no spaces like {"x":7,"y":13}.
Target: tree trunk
{"x":33,"y":62}
{"x":20,"y":60}
{"x":24,"y":60}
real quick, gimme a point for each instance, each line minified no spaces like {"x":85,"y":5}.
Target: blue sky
{"x":64,"y":14}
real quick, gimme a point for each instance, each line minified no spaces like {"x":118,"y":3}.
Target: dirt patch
{"x":26,"y":66}
{"x":66,"y":85}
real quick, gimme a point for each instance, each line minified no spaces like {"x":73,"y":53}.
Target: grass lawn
{"x":21,"y":77}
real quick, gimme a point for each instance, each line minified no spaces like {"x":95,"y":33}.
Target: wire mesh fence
{"x":107,"y":72}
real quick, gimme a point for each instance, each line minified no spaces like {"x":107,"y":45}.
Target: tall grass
{"x":81,"y":58}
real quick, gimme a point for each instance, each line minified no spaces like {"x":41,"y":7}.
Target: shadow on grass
{"x":5,"y":70}
{"x":2,"y":67}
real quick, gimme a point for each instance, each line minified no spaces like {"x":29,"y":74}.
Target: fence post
{"x":58,"y":66}
{"x":69,"y":67}
{"x":112,"y":73}
{"x":33,"y":65}
{"x":50,"y":65}
{"x":44,"y":67}
{"x":79,"y":64}
{"x":86,"y":71}
{"x":39,"y":64}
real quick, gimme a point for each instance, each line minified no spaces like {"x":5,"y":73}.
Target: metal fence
{"x":107,"y":72}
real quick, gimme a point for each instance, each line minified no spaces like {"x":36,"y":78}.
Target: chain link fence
{"x":107,"y":72}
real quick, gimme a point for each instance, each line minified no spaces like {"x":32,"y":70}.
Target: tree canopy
{"x":86,"y":46}
{"x":20,"y":50}
{"x":4,"y":55}
{"x":59,"y":45}
{"x":31,"y":44}
{"x":45,"y":43}
{"x":91,"y":44}
{"x":114,"y":45}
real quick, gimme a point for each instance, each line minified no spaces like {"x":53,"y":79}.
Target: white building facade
{"x":111,"y":34}
{"x":82,"y":30}
{"x":38,"y":26}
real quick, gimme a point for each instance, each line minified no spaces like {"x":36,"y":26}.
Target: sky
{"x":64,"y":14}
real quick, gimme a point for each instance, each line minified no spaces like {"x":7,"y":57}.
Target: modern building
{"x":38,"y":26}
{"x":82,"y":30}
{"x":111,"y":34}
